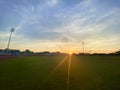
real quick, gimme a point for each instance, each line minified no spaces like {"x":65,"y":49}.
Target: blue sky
{"x":61,"y":25}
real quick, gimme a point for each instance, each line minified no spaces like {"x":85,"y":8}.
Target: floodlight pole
{"x":11,"y":31}
{"x":83,"y":46}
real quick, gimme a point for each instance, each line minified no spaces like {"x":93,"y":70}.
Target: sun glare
{"x":70,"y":53}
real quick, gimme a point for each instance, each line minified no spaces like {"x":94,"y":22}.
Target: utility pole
{"x":11,"y":31}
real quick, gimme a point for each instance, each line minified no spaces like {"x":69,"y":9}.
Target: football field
{"x":60,"y":73}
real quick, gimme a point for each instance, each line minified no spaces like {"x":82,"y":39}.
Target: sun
{"x":70,"y":53}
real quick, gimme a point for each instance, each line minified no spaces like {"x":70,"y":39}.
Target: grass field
{"x":51,"y":73}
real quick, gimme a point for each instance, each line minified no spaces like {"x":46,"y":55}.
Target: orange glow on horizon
{"x":70,"y":53}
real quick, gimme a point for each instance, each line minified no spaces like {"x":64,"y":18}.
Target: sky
{"x":61,"y":25}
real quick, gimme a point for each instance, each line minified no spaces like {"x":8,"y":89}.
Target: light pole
{"x":11,"y":31}
{"x":83,"y":46}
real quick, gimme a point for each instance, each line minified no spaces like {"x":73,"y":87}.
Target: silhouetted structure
{"x":47,"y":53}
{"x":83,"y":46}
{"x":11,"y":31}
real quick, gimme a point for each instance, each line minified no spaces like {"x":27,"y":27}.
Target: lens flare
{"x":68,"y":77}
{"x":59,"y":64}
{"x":68,"y":58}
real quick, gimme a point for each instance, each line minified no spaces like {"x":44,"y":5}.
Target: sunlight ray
{"x":68,"y":77}
{"x":59,"y":64}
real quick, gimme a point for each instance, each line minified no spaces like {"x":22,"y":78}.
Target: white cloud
{"x":106,"y":15}
{"x":52,"y":2}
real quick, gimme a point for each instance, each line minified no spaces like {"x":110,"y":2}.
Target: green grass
{"x":35,"y":73}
